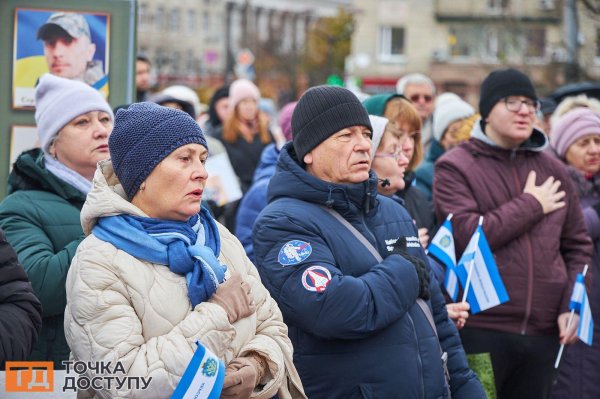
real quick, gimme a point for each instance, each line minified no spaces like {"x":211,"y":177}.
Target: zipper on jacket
{"x":529,"y":258}
{"x":371,"y":235}
{"x":419,"y":360}
{"x":529,"y":286}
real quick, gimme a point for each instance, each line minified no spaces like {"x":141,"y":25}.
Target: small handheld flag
{"x":203,"y":378}
{"x":442,"y":248}
{"x":579,"y":303}
{"x":479,"y":274}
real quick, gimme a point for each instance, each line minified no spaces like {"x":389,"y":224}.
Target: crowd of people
{"x":317,"y":282}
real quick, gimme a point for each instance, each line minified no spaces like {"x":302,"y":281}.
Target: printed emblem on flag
{"x":316,"y":278}
{"x":446,"y":241}
{"x":294,"y":252}
{"x":210,"y":367}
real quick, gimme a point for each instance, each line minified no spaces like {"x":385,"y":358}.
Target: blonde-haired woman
{"x":403,"y":116}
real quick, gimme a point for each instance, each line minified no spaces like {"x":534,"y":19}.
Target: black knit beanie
{"x":503,"y":83}
{"x":213,"y":117}
{"x":144,"y":135}
{"x":323,"y":111}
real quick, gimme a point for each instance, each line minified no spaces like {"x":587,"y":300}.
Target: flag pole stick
{"x":468,"y":283}
{"x":562,"y":346}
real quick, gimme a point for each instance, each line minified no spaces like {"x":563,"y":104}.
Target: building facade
{"x":205,"y":42}
{"x":458,"y":42}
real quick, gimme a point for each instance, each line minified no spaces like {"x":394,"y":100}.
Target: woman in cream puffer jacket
{"x":124,"y":309}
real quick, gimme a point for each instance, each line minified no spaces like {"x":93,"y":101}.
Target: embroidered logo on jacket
{"x":411,"y":242}
{"x":294,"y":252}
{"x":316,"y":278}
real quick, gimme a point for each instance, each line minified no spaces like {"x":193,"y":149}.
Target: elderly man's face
{"x":421,"y":95}
{"x":68,"y":57}
{"x":343,"y":158}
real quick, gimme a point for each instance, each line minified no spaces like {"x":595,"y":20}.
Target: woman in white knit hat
{"x":453,"y":120}
{"x":47,"y":188}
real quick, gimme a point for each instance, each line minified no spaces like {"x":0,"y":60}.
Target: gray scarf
{"x":66,"y":174}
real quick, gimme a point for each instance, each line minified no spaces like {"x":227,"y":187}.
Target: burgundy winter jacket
{"x":538,"y":255}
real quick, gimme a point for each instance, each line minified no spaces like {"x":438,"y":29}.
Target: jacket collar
{"x":29,"y":173}
{"x":537,"y":142}
{"x":435,"y":151}
{"x":291,"y":180}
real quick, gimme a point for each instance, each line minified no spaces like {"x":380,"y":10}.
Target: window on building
{"x":547,"y":4}
{"x":463,"y":41}
{"x":497,"y":5}
{"x":288,"y":34}
{"x":391,"y":43}
{"x":501,"y":45}
{"x":535,"y":42}
{"x":205,"y":23}
{"x":191,"y":19}
{"x":160,"y":58}
{"x":300,"y":30}
{"x":159,"y":19}
{"x":190,"y":63}
{"x":598,"y":43}
{"x":174,"y":20}
{"x":263,"y":26}
{"x":143,"y":16}
{"x":175,"y":62}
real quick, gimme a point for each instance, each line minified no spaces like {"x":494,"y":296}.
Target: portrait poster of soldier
{"x":73,"y":45}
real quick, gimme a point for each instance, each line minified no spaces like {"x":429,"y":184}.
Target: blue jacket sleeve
{"x":350,"y":307}
{"x":253,"y":202}
{"x":463,"y":381}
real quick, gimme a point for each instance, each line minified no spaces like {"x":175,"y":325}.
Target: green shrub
{"x":481,"y":364}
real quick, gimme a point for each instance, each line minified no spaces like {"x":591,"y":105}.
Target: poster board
{"x":22,"y":138}
{"x":41,"y":44}
{"x":108,"y":19}
{"x":222,"y":185}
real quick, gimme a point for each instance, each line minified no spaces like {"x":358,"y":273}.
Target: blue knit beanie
{"x":144,"y":135}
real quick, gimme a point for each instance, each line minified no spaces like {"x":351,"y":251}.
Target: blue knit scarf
{"x":188,"y":248}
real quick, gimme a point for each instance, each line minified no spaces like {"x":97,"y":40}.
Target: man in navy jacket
{"x":353,"y":316}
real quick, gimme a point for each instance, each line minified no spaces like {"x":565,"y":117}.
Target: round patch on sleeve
{"x":316,"y":278}
{"x":294,"y":252}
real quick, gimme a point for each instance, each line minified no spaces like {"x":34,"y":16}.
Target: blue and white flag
{"x":442,"y":247}
{"x":486,"y":288}
{"x":203,"y":378}
{"x":580,"y":303}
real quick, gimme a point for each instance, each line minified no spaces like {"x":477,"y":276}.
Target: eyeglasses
{"x":394,"y":155}
{"x":415,"y":98}
{"x":515,"y":104}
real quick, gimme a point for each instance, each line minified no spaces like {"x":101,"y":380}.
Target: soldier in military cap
{"x":69,"y":50}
